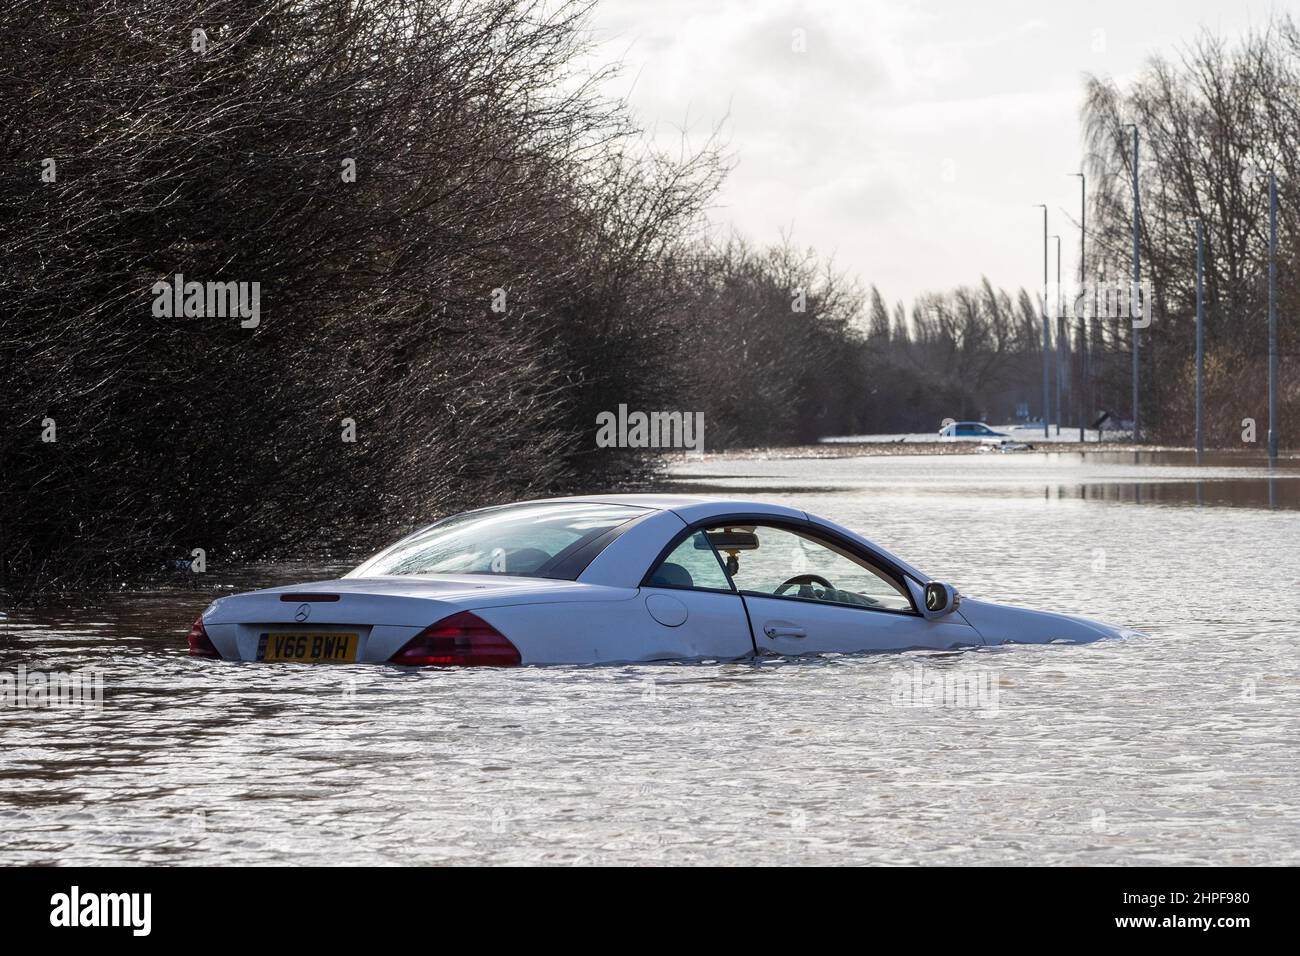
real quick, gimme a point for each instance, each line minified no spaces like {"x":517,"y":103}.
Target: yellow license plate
{"x":308,"y":647}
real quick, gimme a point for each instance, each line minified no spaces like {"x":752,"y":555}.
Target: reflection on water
{"x":1174,"y":478}
{"x":1175,"y":748}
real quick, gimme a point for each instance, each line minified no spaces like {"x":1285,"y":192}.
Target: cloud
{"x":911,"y":138}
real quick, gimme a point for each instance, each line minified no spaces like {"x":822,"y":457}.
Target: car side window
{"x":692,"y":564}
{"x":778,"y":562}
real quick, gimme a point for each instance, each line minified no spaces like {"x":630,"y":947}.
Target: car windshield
{"x":539,"y":539}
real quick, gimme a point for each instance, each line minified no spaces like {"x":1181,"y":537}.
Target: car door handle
{"x":775,"y":629}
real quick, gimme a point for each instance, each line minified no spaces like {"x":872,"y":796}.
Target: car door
{"x":691,"y":609}
{"x":809,"y":594}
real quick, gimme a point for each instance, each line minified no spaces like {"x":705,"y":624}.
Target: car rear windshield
{"x":540,"y":539}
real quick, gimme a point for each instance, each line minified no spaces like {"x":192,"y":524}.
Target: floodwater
{"x":1179,"y":747}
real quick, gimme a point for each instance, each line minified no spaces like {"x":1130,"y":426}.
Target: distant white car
{"x":970,"y":430}
{"x":618,"y":579}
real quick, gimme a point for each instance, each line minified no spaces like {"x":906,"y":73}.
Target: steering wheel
{"x":804,"y":580}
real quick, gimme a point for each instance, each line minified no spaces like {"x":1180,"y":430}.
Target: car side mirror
{"x":940,"y":599}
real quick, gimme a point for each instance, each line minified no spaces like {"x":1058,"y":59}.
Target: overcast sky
{"x":910,"y":139}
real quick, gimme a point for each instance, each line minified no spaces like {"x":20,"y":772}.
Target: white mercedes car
{"x":622,"y":578}
{"x":976,"y":431}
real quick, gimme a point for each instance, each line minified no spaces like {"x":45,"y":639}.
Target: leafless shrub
{"x":484,"y":161}
{"x":1214,"y":121}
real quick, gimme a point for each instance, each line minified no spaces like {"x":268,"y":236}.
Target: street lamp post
{"x":1200,"y":339}
{"x":1137,"y":283}
{"x":1272,"y":318}
{"x":1085,"y":369}
{"x":1057,"y":343}
{"x":1046,"y":344}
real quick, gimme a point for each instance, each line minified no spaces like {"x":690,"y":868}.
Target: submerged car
{"x":970,"y":430}
{"x":623,"y":578}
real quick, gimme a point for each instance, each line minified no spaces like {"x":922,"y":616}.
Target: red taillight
{"x":200,"y":644}
{"x":462,"y":640}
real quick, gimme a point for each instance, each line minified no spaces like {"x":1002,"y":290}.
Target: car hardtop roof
{"x":694,"y":508}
